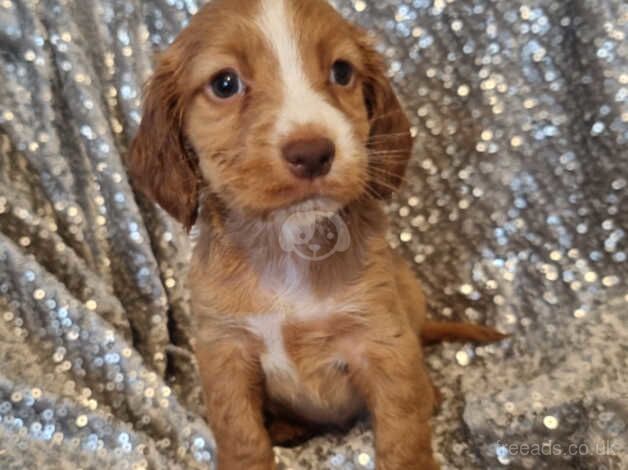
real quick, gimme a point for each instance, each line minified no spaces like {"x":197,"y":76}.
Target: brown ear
{"x":390,"y":141}
{"x":158,"y":161}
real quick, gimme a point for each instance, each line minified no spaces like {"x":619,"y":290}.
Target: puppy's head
{"x":269,"y":103}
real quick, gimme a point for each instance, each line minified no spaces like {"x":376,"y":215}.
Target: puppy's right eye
{"x":226,"y":84}
{"x":342,"y":73}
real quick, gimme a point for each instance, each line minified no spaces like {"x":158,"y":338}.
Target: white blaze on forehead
{"x":301,"y":104}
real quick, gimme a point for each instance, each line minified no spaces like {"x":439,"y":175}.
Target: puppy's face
{"x":269,"y":103}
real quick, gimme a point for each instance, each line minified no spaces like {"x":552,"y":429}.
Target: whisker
{"x":388,"y":114}
{"x":388,"y":186}
{"x":388,"y":135}
{"x":385,"y":150}
{"x":385,"y":159}
{"x":370,"y":191}
{"x":381,"y":173}
{"x":392,"y":155}
{"x":380,"y":178}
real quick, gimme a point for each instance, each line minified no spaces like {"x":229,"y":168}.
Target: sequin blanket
{"x":514,"y":215}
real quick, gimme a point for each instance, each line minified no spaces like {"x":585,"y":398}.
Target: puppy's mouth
{"x":312,"y":204}
{"x":312,"y":196}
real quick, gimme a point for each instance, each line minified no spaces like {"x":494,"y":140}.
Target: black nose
{"x":310,"y":158}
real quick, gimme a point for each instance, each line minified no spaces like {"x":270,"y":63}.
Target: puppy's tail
{"x":435,"y":332}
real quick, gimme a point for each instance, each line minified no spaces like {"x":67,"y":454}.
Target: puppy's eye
{"x":226,"y":84}
{"x":342,"y":73}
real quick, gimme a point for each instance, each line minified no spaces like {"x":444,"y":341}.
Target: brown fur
{"x":350,"y":326}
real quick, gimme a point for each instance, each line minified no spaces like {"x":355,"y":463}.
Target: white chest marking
{"x":268,"y":326}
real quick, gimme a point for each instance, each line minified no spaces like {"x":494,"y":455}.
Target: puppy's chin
{"x":311,"y":204}
{"x":305,"y":212}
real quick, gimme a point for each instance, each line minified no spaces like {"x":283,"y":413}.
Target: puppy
{"x":270,"y":125}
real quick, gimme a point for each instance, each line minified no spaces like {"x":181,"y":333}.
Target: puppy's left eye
{"x":226,"y":84}
{"x":341,"y":73}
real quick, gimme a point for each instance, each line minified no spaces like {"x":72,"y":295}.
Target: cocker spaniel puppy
{"x":272,"y":127}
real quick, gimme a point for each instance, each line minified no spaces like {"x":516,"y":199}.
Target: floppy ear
{"x":390,"y":141}
{"x":158,"y":162}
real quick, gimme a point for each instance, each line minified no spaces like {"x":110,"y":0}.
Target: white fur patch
{"x":268,"y":328}
{"x":301,"y":104}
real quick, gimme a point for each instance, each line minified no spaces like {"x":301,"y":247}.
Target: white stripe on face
{"x":301,"y":104}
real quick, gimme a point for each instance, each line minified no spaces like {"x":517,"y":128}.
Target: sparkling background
{"x":513,"y":214}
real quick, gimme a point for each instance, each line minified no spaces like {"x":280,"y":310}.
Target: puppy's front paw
{"x":426,"y":462}
{"x":286,"y":434}
{"x":429,"y":464}
{"x":237,"y":464}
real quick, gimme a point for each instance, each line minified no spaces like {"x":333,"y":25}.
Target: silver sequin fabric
{"x":513,"y":215}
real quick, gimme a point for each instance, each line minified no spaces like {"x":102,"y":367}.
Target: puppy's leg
{"x":233,"y":386}
{"x":390,"y":375}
